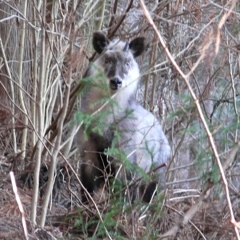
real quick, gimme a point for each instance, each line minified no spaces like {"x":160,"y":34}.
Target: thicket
{"x":190,"y":81}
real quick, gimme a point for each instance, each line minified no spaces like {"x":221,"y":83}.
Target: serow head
{"x":117,"y":59}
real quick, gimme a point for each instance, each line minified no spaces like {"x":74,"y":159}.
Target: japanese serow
{"x":112,"y":81}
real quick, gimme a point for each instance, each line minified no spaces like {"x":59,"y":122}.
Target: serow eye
{"x":127,"y":62}
{"x":107,"y":60}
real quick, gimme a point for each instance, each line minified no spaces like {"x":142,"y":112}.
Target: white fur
{"x":143,"y":140}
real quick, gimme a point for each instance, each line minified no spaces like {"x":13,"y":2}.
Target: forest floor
{"x":211,"y":221}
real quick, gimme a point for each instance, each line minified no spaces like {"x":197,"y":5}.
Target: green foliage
{"x":89,"y":121}
{"x":113,"y":221}
{"x":80,"y":117}
{"x":121,"y":157}
{"x":98,"y":81}
{"x":230,"y":127}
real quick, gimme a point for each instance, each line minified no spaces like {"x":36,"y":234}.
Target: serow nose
{"x":115,"y":83}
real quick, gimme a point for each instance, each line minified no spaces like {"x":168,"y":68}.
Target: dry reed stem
{"x":20,"y":79}
{"x":20,"y":206}
{"x":40,"y":119}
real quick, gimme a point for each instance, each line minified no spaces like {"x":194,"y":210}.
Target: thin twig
{"x":40,"y":120}
{"x":12,"y":95}
{"x":20,"y":79}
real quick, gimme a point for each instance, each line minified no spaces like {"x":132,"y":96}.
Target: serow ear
{"x":137,"y":46}
{"x":100,"y":41}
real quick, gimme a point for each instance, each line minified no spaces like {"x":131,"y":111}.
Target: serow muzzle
{"x":115,"y":83}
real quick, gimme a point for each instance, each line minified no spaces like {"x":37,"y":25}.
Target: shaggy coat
{"x":111,"y":82}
